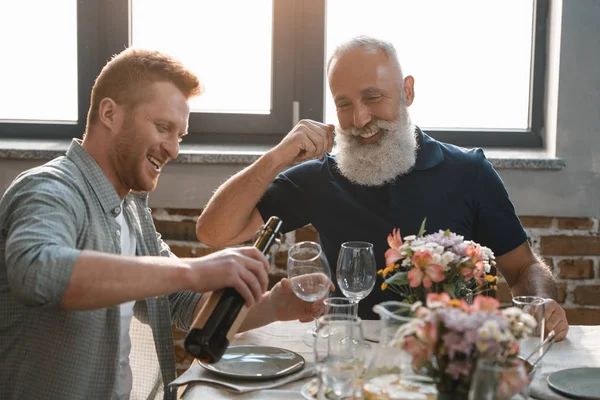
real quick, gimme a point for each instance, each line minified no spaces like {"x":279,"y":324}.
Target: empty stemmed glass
{"x":356,"y":270}
{"x":309,"y":275}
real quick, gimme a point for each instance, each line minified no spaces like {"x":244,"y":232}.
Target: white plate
{"x":256,"y":362}
{"x":578,"y":383}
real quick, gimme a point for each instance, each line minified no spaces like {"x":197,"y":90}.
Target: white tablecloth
{"x":580,"y":348}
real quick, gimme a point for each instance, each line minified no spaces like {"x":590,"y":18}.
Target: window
{"x":478,"y":66}
{"x":29,"y":82}
{"x":470,"y":71}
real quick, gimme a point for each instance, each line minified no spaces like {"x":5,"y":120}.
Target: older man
{"x":386,"y":174}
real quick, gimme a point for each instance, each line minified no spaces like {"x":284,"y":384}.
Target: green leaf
{"x":450,"y":288}
{"x":400,"y":278}
{"x":422,"y":228}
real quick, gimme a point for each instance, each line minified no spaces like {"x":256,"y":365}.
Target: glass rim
{"x":344,"y":302}
{"x":351,"y":319}
{"x":299,"y":245}
{"x":528,"y":300}
{"x":357,"y":244}
{"x":489,"y":364}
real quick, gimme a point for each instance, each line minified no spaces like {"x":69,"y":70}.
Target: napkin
{"x":539,"y":389}
{"x":197,"y":373}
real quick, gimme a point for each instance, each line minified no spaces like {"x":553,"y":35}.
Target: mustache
{"x":373,"y":126}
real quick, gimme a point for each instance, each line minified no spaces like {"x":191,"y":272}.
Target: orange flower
{"x":424,"y":271}
{"x":437,"y":300}
{"x":393,"y":254}
{"x":459,"y":303}
{"x":485,"y":303}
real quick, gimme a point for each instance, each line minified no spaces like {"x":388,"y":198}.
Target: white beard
{"x":375,"y":164}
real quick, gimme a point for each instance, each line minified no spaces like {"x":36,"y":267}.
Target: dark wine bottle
{"x":225,"y":310}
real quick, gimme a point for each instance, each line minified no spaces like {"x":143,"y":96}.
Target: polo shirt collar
{"x":429,"y":153}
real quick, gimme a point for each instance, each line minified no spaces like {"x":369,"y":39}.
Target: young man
{"x":81,"y":262}
{"x":386,"y":174}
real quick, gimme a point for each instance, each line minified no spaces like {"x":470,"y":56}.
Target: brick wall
{"x":570,"y":246}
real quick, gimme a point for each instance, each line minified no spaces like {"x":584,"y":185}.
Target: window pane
{"x":470,"y":58}
{"x":227,"y":43}
{"x":38,"y":72}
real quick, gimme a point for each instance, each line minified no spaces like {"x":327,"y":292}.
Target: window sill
{"x":43,"y":150}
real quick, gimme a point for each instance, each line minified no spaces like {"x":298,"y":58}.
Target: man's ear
{"x":109,"y":114}
{"x":409,"y":89}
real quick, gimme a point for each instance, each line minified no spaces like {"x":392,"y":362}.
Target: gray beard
{"x":376,"y":164}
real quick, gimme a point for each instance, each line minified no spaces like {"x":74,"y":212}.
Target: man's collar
{"x":429,"y":153}
{"x":104,"y":190}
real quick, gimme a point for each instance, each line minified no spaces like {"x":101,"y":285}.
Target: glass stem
{"x":355,"y":308}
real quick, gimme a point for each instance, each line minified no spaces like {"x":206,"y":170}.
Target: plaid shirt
{"x":49,"y":215}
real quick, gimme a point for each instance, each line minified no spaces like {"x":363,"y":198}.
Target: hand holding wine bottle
{"x":223,"y":313}
{"x":244,"y":269}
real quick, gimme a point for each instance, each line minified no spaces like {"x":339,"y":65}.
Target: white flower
{"x":409,"y":238}
{"x":482,"y":346}
{"x":418,"y":248}
{"x":528,"y":320}
{"x":488,"y":253}
{"x":512,"y":313}
{"x":447,"y":257}
{"x":438,"y":249}
{"x":418,"y":242}
{"x":486,"y":267}
{"x":498,"y":336}
{"x":484,"y":333}
{"x":436,"y":258}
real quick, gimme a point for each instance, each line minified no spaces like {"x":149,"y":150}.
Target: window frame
{"x":533,"y":137}
{"x":89,"y":50}
{"x":103,"y":29}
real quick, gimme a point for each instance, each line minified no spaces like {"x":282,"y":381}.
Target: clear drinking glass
{"x":356,"y":270}
{"x":340,"y":354}
{"x":339,"y":305}
{"x":534,"y":306}
{"x":494,"y":381}
{"x":309,"y":275}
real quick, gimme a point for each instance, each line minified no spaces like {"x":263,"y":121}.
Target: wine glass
{"x":356,"y":270}
{"x":309,"y":275}
{"x":499,"y":381}
{"x":340,"y":354}
{"x":534,"y":306}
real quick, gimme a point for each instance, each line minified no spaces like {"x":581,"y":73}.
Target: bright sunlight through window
{"x":470,"y":58}
{"x":38,"y":72}
{"x":227,"y":43}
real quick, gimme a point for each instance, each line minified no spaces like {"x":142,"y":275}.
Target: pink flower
{"x":456,"y":368}
{"x":485,"y":303}
{"x":393,"y":254}
{"x":424,"y":271}
{"x":428,"y":334}
{"x":437,"y":300}
{"x":512,"y":381}
{"x":420,"y":352}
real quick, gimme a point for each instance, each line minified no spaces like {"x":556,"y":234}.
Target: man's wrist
{"x":270,"y":308}
{"x":275,"y":161}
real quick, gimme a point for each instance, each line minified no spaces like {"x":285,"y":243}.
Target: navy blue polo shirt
{"x":455,"y":188}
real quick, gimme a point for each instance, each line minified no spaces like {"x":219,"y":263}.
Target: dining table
{"x":580,"y":348}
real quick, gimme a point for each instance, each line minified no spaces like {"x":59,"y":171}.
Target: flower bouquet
{"x":448,"y":336}
{"x":438,"y":262}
